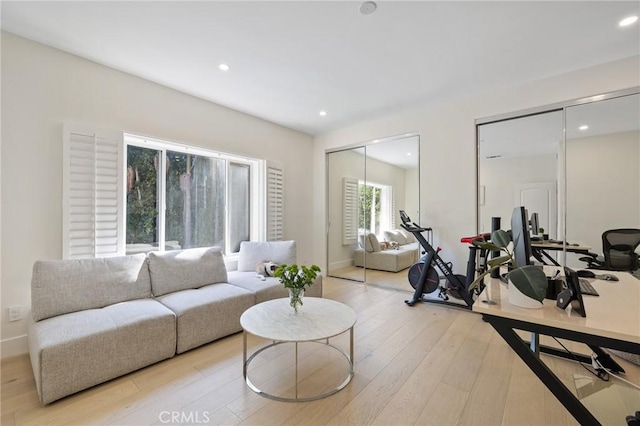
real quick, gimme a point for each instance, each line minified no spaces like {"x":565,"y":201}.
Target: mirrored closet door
{"x":603,"y":170}
{"x":366,"y":187}
{"x":576,"y":164}
{"x":519,"y":164}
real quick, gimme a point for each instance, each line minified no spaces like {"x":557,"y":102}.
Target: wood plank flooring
{"x":422,"y":365}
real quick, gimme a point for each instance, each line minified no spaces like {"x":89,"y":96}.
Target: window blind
{"x":275,"y":203}
{"x":93,"y":206}
{"x":349,"y":211}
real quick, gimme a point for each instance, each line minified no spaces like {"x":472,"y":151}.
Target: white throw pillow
{"x":373,"y":241}
{"x":367,"y":243}
{"x":400,"y":237}
{"x":389,"y":236}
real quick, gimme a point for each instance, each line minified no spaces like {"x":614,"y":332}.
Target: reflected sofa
{"x":397,"y":251}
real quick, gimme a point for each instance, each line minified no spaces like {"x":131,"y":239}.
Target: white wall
{"x":501,"y":177}
{"x":42,"y":87}
{"x":603,"y":186}
{"x":448,"y":153}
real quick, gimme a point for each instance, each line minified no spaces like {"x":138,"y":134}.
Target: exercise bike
{"x":424,"y":277}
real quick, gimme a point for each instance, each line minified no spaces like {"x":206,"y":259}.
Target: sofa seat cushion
{"x":185,"y":269}
{"x":270,"y":288}
{"x":78,"y":350}
{"x":207,"y":313}
{"x":63,"y":286}
{"x":391,"y":260}
{"x":254,"y":252}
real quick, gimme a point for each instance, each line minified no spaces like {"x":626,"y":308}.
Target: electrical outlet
{"x":14,"y":313}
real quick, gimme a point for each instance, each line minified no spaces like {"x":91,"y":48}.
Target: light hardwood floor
{"x":422,"y":365}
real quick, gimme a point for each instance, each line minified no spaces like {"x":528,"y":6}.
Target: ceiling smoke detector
{"x":368,"y":7}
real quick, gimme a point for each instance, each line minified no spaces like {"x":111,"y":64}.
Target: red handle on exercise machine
{"x":470,"y":240}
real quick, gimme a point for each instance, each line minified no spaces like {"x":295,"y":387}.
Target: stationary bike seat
{"x":470,"y":240}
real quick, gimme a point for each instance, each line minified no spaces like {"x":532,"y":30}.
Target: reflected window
{"x":376,"y":207}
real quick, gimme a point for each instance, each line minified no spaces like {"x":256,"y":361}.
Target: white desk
{"x":613,"y":321}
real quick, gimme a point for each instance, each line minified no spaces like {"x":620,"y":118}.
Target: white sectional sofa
{"x":96,"y":319}
{"x":374,"y":255}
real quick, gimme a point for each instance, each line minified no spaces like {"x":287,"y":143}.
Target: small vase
{"x":295,"y":298}
{"x":517,"y":298}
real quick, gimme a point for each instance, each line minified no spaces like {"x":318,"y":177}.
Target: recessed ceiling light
{"x":323,"y":113}
{"x":223,"y":67}
{"x":583,"y":127}
{"x":368,"y":7}
{"x":409,"y":154}
{"x":629,"y":20}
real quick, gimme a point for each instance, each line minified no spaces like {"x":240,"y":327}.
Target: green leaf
{"x":500,"y":238}
{"x":489,"y":246}
{"x":531,"y":281}
{"x":497,"y":261}
{"x":480,"y":277}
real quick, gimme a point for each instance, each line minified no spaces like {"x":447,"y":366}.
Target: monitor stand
{"x":606,"y":360}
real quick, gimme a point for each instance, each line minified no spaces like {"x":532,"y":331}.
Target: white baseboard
{"x":340,"y":264}
{"x":14,"y":346}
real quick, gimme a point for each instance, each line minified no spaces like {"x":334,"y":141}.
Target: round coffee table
{"x":317,"y":320}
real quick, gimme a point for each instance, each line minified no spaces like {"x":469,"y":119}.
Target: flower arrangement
{"x":296,"y":278}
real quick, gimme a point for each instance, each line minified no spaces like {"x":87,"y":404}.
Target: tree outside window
{"x":206,"y":199}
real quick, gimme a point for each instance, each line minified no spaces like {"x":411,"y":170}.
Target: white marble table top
{"x":317,"y":319}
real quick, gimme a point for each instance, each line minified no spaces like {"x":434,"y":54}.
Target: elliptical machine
{"x":424,"y":277}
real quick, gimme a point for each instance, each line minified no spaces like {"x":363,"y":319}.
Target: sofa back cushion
{"x":396,"y":236}
{"x":408,"y":236}
{"x":183,"y":269}
{"x":254,"y":252}
{"x":70,"y":285}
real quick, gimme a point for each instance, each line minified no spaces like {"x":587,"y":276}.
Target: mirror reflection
{"x":518,"y":164}
{"x":367,"y":186}
{"x":603,"y":171}
{"x":524,"y":161}
{"x":345,"y":170}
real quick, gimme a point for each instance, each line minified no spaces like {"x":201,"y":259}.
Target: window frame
{"x":257,"y":186}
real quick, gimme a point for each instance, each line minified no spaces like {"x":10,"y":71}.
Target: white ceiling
{"x":542,"y":134}
{"x":291,"y":59}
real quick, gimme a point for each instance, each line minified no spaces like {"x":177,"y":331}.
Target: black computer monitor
{"x":520,"y":237}
{"x":535,"y":224}
{"x":572,"y":293}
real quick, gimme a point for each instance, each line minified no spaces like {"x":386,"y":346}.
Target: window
{"x":128,"y":194}
{"x":180,"y":197}
{"x":376,"y":207}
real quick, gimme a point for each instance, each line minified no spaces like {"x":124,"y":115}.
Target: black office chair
{"x":619,"y":250}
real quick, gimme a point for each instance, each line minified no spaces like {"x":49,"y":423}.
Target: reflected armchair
{"x":619,"y":251}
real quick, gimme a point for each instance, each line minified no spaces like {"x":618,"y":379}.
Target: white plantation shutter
{"x":387,"y":208}
{"x":93,"y":205}
{"x":392,"y":214}
{"x":349,"y":211}
{"x":275,"y":203}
